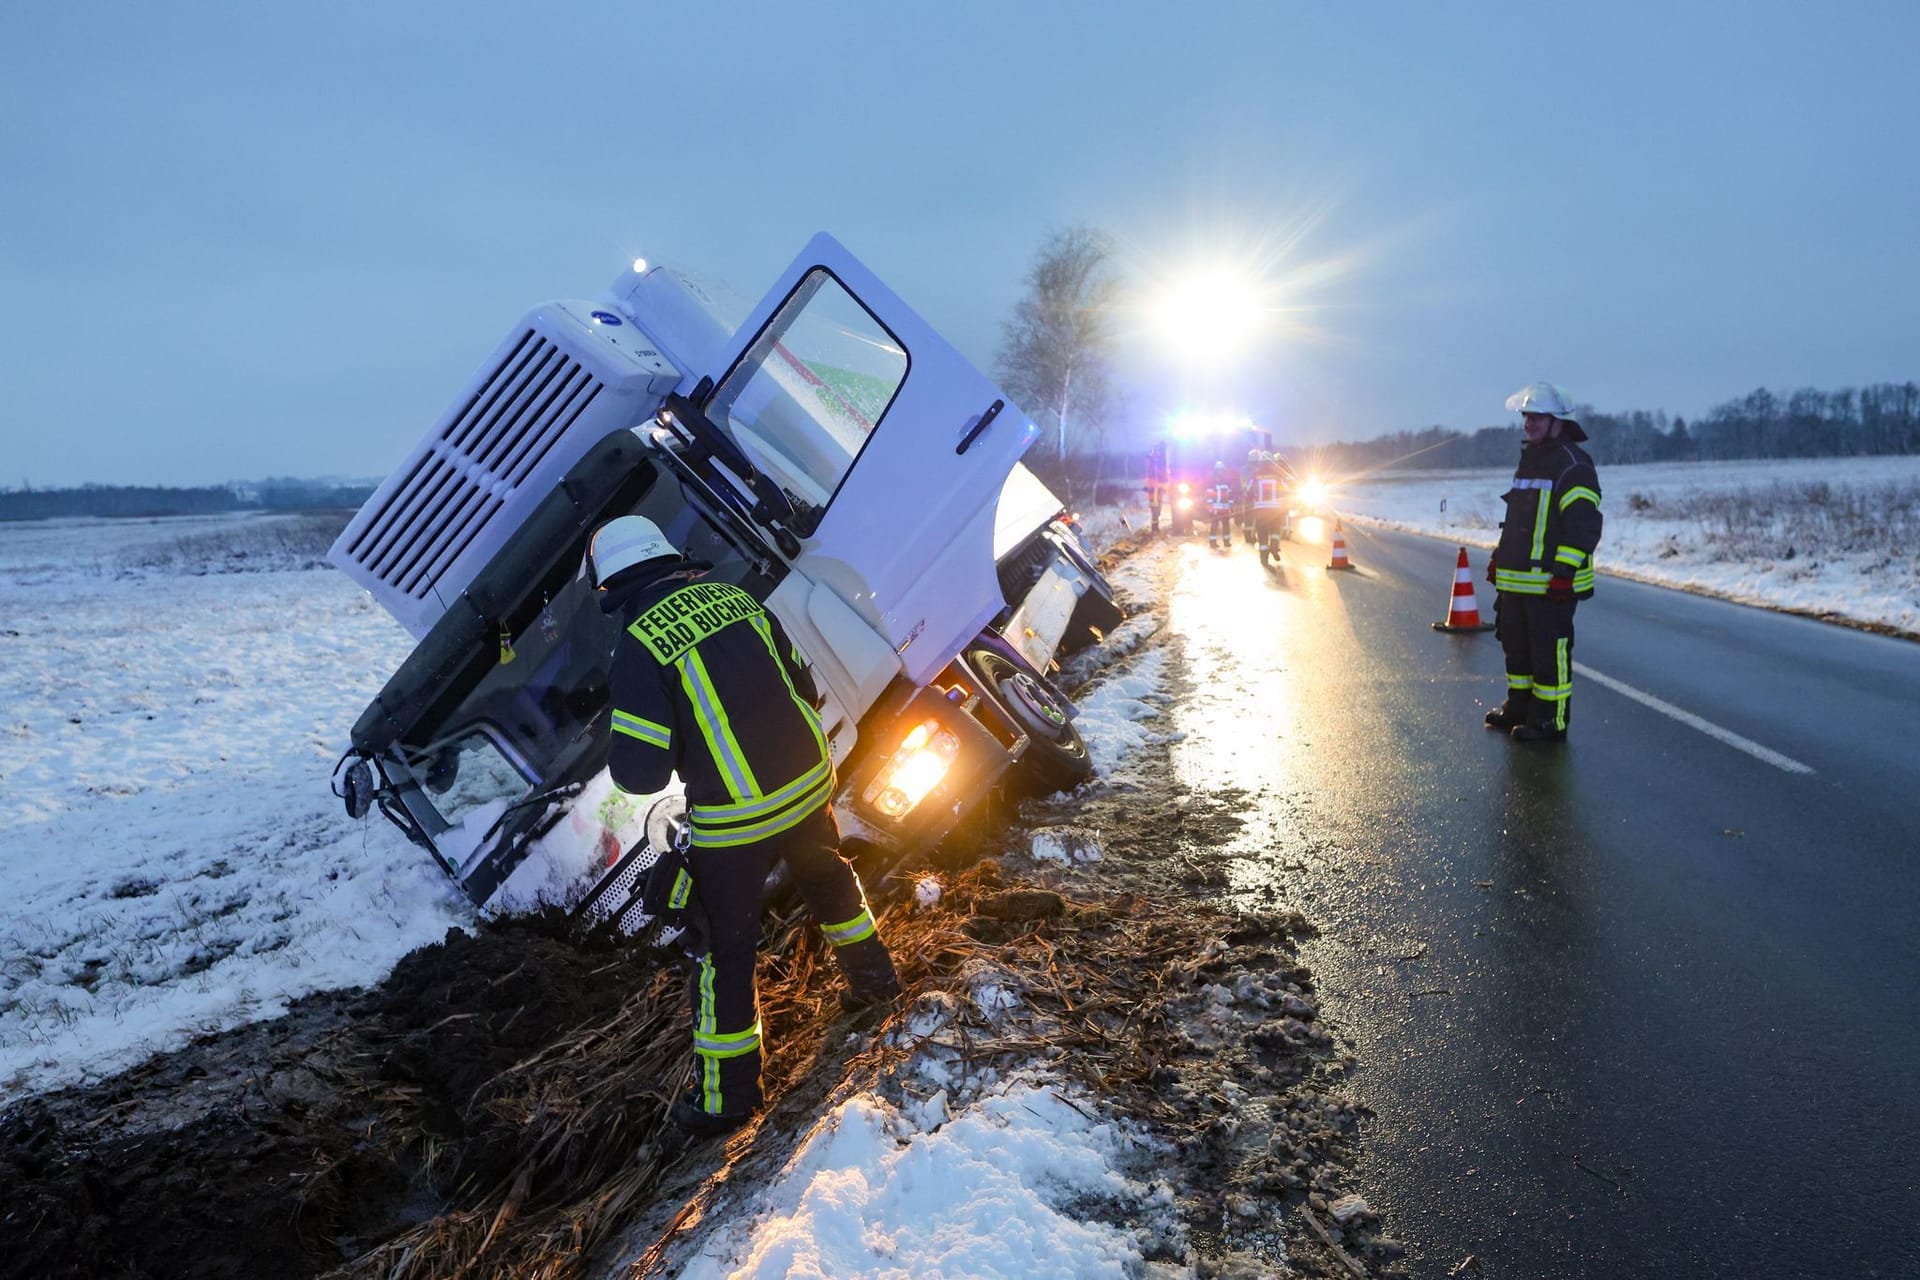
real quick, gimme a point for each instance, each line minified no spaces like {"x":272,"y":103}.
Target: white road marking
{"x":1691,"y":720}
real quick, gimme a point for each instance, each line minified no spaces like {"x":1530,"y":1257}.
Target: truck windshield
{"x":814,"y":385}
{"x":538,"y":718}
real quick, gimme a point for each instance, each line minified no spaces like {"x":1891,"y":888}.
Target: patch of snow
{"x":1066,"y":845}
{"x":999,"y":1189}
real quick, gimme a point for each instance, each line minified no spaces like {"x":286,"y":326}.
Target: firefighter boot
{"x":872,"y":984}
{"x":1506,"y":716}
{"x":1547,"y":720}
{"x":698,"y":1125}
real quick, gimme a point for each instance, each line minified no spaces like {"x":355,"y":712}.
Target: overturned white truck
{"x":831,"y":455}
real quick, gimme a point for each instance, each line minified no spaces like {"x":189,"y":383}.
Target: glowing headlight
{"x":1186,"y":504}
{"x":1313,"y":493}
{"x":1185,"y":487}
{"x":922,"y":760}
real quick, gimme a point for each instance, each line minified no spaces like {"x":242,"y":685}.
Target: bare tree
{"x":1055,"y":350}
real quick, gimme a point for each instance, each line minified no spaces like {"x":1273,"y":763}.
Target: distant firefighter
{"x":1157,"y":481}
{"x":1221,"y":495}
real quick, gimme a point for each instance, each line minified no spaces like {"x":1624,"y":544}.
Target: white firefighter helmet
{"x":622,"y":543}
{"x":1541,"y":397}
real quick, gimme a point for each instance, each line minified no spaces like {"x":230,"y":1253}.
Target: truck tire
{"x":1056,"y":758}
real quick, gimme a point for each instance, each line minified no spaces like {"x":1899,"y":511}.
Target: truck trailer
{"x":827,"y":452}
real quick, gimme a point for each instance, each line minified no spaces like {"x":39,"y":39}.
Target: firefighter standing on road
{"x":1220,"y":499}
{"x":706,"y":683}
{"x":1157,"y":482}
{"x":1543,"y":565}
{"x":1267,"y":497}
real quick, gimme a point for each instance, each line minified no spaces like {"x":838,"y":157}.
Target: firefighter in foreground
{"x":1268,"y":494}
{"x":1221,"y":493}
{"x":1543,"y":565}
{"x":706,"y":683}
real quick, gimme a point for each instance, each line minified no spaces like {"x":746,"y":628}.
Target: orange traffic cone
{"x":1463,"y":614}
{"x":1340,"y":560}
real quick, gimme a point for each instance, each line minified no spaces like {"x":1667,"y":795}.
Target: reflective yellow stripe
{"x":649,"y":732}
{"x":806,"y":708}
{"x":1519,"y":682}
{"x":1570,"y":556}
{"x":1580,"y":493}
{"x":682,"y":889}
{"x":1526,"y":582}
{"x":1566,"y":684}
{"x":858,"y":929}
{"x":703,"y":1021}
{"x":716,"y":814}
{"x":727,"y":1045}
{"x":1533,"y":582}
{"x":715,"y":727}
{"x":1541,"y":509}
{"x":725,"y":837}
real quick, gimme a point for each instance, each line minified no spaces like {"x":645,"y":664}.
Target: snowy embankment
{"x":1832,"y":537}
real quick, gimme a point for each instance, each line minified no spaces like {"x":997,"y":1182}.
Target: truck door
{"x":894,"y":446}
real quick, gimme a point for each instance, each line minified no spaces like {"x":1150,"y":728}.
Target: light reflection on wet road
{"x":1639,"y":1005}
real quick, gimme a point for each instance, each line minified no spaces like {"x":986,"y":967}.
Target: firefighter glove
{"x":1560,"y":590}
{"x":1493,"y":559}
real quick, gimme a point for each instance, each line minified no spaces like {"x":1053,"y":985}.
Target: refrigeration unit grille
{"x":513,"y":419}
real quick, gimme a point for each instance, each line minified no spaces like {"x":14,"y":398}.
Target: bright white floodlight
{"x":1209,"y":319}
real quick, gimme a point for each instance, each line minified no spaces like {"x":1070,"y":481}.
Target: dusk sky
{"x":241,"y":240}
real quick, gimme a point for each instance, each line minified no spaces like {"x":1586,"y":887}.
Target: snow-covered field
{"x":1835,"y":537}
{"x":174,"y":863}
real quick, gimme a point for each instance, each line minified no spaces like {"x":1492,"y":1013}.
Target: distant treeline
{"x":1880,"y":419}
{"x":153,"y":500}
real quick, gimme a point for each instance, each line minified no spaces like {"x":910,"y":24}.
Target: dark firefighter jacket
{"x":1553,"y":518}
{"x":707,"y":684}
{"x":1267,"y":490}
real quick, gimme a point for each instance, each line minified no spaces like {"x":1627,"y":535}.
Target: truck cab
{"x":830,"y":454}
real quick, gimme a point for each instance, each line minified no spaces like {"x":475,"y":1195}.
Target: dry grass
{"x":586,"y":1116}
{"x":1787,"y":520}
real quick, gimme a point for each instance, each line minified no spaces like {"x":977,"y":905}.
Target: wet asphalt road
{"x":1646,"y":1003}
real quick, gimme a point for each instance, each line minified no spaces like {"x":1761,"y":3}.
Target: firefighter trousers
{"x":1536,"y":634}
{"x":731,"y":885}
{"x":1220,"y":525}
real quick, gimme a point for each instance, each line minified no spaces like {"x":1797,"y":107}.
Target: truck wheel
{"x":1056,"y":758}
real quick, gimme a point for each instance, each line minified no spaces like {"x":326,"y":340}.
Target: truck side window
{"x":814,"y":385}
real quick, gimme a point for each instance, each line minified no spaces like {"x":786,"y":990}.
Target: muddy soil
{"x":291,"y":1148}
{"x":267,"y":1151}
